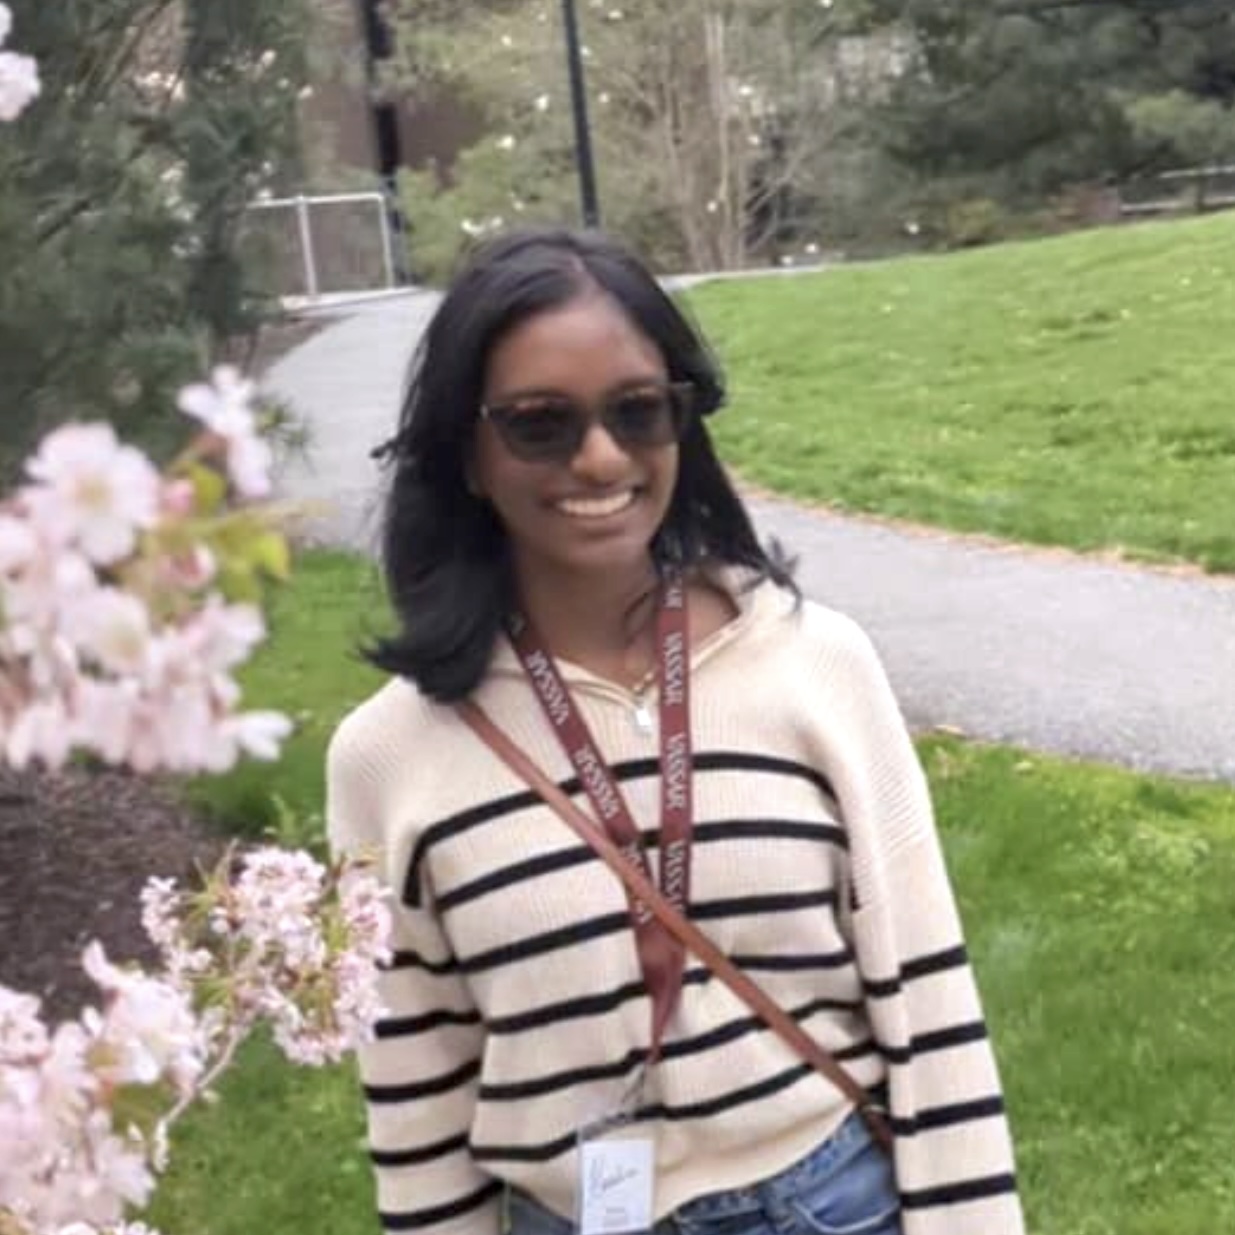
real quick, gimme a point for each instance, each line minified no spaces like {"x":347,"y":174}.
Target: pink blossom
{"x":259,"y":734}
{"x":177,"y":498}
{"x":18,"y":544}
{"x":112,"y":628}
{"x":191,"y":570}
{"x":225,"y":407}
{"x":160,"y":902}
{"x":224,"y":636}
{"x":147,"y":1030}
{"x":105,"y":719}
{"x":19,"y":84}
{"x":92,"y":492}
{"x":51,"y":584}
{"x":23,"y":1036}
{"x":40,"y":732}
{"x":67,"y":1085}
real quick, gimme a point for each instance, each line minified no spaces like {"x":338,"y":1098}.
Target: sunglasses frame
{"x":682,"y":398}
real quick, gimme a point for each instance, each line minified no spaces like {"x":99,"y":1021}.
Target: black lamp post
{"x":583,"y":134}
{"x":379,"y":46}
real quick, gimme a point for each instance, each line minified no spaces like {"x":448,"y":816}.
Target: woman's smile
{"x":595,"y":508}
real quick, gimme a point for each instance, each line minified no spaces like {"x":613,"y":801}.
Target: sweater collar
{"x":756,"y":605}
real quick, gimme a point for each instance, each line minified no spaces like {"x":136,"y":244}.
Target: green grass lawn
{"x":1099,"y":906}
{"x":1074,"y":391}
{"x":311,"y":670}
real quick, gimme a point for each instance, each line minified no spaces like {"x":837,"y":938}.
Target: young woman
{"x":556,"y":518}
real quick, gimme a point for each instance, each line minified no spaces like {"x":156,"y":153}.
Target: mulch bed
{"x":75,"y":849}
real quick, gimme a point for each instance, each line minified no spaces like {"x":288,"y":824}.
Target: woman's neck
{"x":602,"y":621}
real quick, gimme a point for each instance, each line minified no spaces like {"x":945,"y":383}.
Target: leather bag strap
{"x":689,"y":935}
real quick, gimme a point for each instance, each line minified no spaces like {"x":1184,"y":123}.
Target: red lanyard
{"x":661,"y":957}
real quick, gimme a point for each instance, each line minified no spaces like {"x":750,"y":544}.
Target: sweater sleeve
{"x":953,"y":1155}
{"x":420,"y":1073}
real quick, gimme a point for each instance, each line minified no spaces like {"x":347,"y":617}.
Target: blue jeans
{"x":844,"y":1187}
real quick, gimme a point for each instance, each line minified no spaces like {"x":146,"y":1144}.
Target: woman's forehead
{"x":590,"y":342}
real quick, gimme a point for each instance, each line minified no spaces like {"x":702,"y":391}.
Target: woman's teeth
{"x":596,"y":507}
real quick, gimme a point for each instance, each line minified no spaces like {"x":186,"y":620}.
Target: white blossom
{"x":19,"y":75}
{"x":91,"y":492}
{"x":225,"y":407}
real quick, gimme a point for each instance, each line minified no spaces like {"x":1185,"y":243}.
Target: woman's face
{"x":597,"y":512}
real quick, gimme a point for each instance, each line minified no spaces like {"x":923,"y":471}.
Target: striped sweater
{"x":515,"y":1009}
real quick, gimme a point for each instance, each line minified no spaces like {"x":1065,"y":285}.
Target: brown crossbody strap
{"x":682,"y":929}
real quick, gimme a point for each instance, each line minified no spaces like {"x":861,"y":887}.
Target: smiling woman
{"x":570,"y":565}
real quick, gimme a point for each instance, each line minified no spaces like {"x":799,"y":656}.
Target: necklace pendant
{"x":643,"y":716}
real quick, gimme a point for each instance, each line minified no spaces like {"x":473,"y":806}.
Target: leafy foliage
{"x":1031,"y":95}
{"x":714,"y":123}
{"x":121,"y":200}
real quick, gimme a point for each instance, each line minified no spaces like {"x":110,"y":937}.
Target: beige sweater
{"x":515,"y":1007}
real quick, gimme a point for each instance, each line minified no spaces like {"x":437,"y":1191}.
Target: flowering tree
{"x":715,"y":121}
{"x":127,"y":600}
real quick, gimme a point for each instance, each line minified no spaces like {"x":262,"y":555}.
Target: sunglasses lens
{"x":540,"y":430}
{"x":644,"y":417}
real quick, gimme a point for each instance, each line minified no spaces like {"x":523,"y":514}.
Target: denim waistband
{"x":826,"y":1159}
{"x":849,"y":1140}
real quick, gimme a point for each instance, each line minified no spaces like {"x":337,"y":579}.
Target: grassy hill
{"x":1075,"y":391}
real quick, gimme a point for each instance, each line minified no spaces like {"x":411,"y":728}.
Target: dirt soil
{"x":75,"y":850}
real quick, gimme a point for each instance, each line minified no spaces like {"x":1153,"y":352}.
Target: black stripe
{"x":586,"y":1005}
{"x":731,"y":1032}
{"x":533,"y":868}
{"x":949,"y":1116}
{"x":736,"y":1097}
{"x":456,"y":825}
{"x":413,"y":960}
{"x":795,"y":963}
{"x":549,"y":941}
{"x":919,"y":967}
{"x":442,"y":1213}
{"x":772,"y":829}
{"x":957,"y":1193}
{"x":555,"y":1081}
{"x":942,"y":1039}
{"x":722,"y":1035}
{"x":414,"y":1157}
{"x":634,"y":769}
{"x":423,"y":1089}
{"x":607,"y":924}
{"x":745,"y":906}
{"x":738,"y":761}
{"x":698,"y":1110}
{"x":937,"y":1040}
{"x":703,"y":834}
{"x":408,"y":1026}
{"x":935,"y":962}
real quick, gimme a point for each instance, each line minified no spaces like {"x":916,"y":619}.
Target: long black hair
{"x":444,"y":552}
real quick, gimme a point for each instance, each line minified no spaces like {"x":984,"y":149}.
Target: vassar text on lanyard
{"x":661,"y":957}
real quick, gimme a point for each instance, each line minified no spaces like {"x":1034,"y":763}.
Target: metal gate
{"x":338,"y":244}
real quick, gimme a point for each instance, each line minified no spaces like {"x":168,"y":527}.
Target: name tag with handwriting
{"x":616,"y":1186}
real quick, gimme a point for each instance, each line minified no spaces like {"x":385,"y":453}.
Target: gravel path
{"x":1055,"y":652}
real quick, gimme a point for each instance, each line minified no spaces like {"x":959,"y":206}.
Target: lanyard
{"x":661,"y":957}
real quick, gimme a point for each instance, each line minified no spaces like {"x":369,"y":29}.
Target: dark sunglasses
{"x":551,"y":428}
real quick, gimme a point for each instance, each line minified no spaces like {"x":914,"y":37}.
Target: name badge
{"x":616,"y":1185}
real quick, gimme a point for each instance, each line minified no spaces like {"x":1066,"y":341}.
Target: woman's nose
{"x":599,"y":458}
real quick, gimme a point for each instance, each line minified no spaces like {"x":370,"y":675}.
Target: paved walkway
{"x":1054,"y":652}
